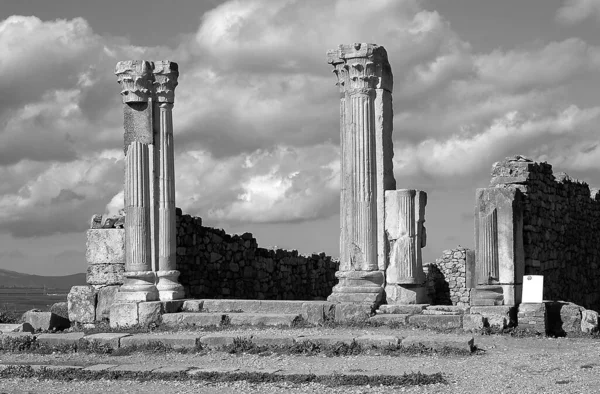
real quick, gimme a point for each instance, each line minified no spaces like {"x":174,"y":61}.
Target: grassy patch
{"x":411,"y":379}
{"x":9,"y":317}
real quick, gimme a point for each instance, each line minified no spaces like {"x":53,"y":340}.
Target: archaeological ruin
{"x":155,"y":264}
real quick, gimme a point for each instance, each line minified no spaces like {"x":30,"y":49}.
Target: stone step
{"x":436,"y":321}
{"x":390,"y":318}
{"x":251,"y":306}
{"x":411,"y":309}
{"x":206,"y":319}
{"x":459,"y":309}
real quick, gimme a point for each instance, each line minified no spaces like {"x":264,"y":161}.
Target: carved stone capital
{"x":361,"y":65}
{"x":136,"y":80}
{"x":165,"y":80}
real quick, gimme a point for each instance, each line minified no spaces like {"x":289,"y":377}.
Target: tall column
{"x":404,"y":218}
{"x":165,"y":74}
{"x":365,"y":81}
{"x":136,"y":79}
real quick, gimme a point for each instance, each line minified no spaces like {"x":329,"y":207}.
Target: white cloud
{"x":575,"y":11}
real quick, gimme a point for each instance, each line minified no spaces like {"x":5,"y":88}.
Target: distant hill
{"x":17,"y":279}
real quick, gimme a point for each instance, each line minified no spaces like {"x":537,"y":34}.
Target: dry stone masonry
{"x":449,"y":277}
{"x":531,"y":222}
{"x":214,"y":264}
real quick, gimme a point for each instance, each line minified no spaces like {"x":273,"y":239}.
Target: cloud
{"x":576,"y":11}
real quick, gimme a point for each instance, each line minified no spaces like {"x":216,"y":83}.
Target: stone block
{"x":273,"y":341}
{"x":589,"y":321}
{"x":403,"y":309}
{"x":105,"y":246}
{"x":450,"y":309}
{"x":570,"y":315}
{"x":318,"y":312}
{"x":20,"y":327}
{"x":124,"y":314}
{"x":66,"y":339}
{"x":192,"y":306}
{"x":219,"y":339}
{"x":439,"y":342}
{"x":172,"y":306}
{"x":61,"y":309}
{"x":500,"y":316}
{"x":45,"y":321}
{"x":472,"y":323}
{"x":349,"y":312}
{"x":406,"y":294}
{"x":194,"y":319}
{"x":436,"y":321}
{"x":100,"y":367}
{"x":105,"y":299}
{"x":150,"y":313}
{"x":263,"y":319}
{"x":105,"y":274}
{"x":82,"y":304}
{"x":111,"y":339}
{"x":390,"y":318}
{"x":327,"y":340}
{"x":173,"y":340}
{"x":378,"y":340}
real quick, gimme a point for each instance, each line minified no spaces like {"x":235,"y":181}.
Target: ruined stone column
{"x":136,"y":79}
{"x":165,"y":74}
{"x":404,"y":218}
{"x":365,"y":81}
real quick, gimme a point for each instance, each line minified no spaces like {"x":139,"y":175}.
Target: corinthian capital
{"x":361,"y":66}
{"x":165,"y":80}
{"x":135,"y":78}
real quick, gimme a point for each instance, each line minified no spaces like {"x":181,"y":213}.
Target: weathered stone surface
{"x":570,"y":315}
{"x":327,"y":339}
{"x":347,"y":312}
{"x":589,"y":321}
{"x":390,"y":318}
{"x":532,"y":317}
{"x":150,"y":313}
{"x":266,"y":319}
{"x":66,"y":339}
{"x":318,"y":312}
{"x":439,"y":342}
{"x":105,"y":299}
{"x":459,"y":309}
{"x":403,"y":309}
{"x":496,"y":316}
{"x":192,"y":306}
{"x":406,"y":294}
{"x":436,"y":321}
{"x":124,"y":314}
{"x":82,"y":304}
{"x":61,"y":309}
{"x":377,"y":340}
{"x":105,"y":246}
{"x":449,"y":280}
{"x":173,"y":340}
{"x":272,"y":341}
{"x":20,"y":327}
{"x":105,"y":274}
{"x":100,"y":367}
{"x":472,"y":322}
{"x":194,"y":319}
{"x":111,"y":339}
{"x":219,"y":339}
{"x":172,"y":306}
{"x":45,"y":320}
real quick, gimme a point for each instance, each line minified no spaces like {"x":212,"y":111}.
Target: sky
{"x":256,"y":114}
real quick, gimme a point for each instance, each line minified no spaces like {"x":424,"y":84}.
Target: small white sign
{"x":533,"y":289}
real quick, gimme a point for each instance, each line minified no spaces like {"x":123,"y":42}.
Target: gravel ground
{"x":507,"y":365}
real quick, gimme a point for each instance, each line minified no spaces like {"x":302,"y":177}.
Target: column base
{"x":138,"y":286}
{"x":487,"y":295}
{"x":406,"y":294}
{"x":168,"y":287}
{"x":361,"y":287}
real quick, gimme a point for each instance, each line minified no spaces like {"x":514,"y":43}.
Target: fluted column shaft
{"x":488,"y":267}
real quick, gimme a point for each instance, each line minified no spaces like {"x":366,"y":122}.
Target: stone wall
{"x":448,"y":281}
{"x":214,"y":264}
{"x":561,"y":229}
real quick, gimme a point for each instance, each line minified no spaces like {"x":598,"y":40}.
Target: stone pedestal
{"x":136,"y":81}
{"x":365,"y":82}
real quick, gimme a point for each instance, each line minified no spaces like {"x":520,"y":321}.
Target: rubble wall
{"x":214,"y":264}
{"x":447,"y":278}
{"x":561,"y":229}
